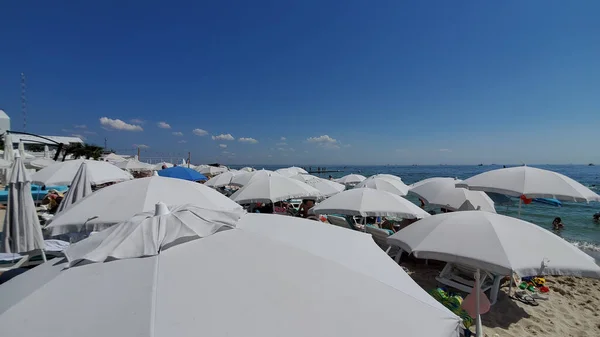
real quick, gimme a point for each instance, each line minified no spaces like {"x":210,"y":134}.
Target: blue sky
{"x":344,"y":82}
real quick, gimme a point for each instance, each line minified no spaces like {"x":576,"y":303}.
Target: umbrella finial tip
{"x":161,"y":209}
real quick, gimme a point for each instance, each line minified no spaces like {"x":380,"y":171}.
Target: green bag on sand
{"x":453,"y":303}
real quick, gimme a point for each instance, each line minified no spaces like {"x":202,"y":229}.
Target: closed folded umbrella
{"x":21,"y":232}
{"x":79,"y":188}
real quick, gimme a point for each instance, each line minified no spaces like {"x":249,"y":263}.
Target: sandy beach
{"x":573,"y":307}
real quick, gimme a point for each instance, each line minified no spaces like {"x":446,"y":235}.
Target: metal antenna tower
{"x":23,"y":102}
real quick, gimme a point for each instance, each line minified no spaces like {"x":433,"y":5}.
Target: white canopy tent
{"x":138,"y":300}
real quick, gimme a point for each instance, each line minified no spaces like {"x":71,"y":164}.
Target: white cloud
{"x":200,"y":132}
{"x":223,"y":146}
{"x":117,"y":124}
{"x":248,"y":140}
{"x":223,"y":137}
{"x":78,"y":136}
{"x":445,"y":150}
{"x":321,"y":139}
{"x":283,"y":139}
{"x":141,"y":146}
{"x":163,"y":125}
{"x":178,"y":134}
{"x":81,"y":126}
{"x":281,"y":144}
{"x":137,"y":121}
{"x":183,"y":141}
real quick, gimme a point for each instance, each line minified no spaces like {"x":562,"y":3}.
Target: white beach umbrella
{"x":273,"y":188}
{"x":291,"y":171}
{"x":442,"y":192}
{"x":222,"y":179}
{"x":387,"y":176}
{"x":139,"y":299}
{"x":114,"y":158}
{"x":62,"y":173}
{"x":245,"y":178}
{"x":21,"y":232}
{"x":326,"y":187}
{"x":531,"y":182}
{"x":46,"y":151}
{"x":134,"y":165}
{"x":351,"y":179}
{"x":9,"y":155}
{"x":211,"y":170}
{"x":45,"y":161}
{"x":394,"y":186}
{"x":119,"y":202}
{"x":79,"y":188}
{"x":370,"y":202}
{"x":498,"y":243}
{"x":4,"y":164}
{"x":247,"y":169}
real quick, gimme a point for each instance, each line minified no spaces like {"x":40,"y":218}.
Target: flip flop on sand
{"x":526,"y":298}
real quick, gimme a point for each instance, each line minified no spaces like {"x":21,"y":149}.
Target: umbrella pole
{"x":479,"y":327}
{"x":44,"y":256}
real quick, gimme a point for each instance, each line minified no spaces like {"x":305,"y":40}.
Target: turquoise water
{"x":580,"y":229}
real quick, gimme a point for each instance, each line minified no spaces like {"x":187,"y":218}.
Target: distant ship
{"x":590,"y":164}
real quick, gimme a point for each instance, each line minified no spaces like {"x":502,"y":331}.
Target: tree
{"x":78,"y":150}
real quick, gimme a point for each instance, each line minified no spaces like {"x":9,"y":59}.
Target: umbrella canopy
{"x":391,"y":185}
{"x":134,"y":165}
{"x":247,"y":169}
{"x":5,"y":163}
{"x":351,"y":179}
{"x":62,"y":173}
{"x":21,"y":232}
{"x":211,"y":170}
{"x":40,"y":163}
{"x":442,"y":192}
{"x":222,"y":179}
{"x":496,"y":243}
{"x":245,"y":178}
{"x":531,"y":182}
{"x":273,"y":188}
{"x":326,"y":187}
{"x":138,"y":299}
{"x":114,"y":158}
{"x":181,"y":172}
{"x":136,"y":196}
{"x":291,"y":171}
{"x":79,"y":188}
{"x":370,"y":202}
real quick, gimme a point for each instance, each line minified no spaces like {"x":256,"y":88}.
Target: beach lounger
{"x":379,"y":236}
{"x":338,"y":221}
{"x":10,"y":261}
{"x":461,"y":277}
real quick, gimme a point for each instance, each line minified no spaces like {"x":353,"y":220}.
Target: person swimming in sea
{"x":557,"y":224}
{"x":596,"y":217}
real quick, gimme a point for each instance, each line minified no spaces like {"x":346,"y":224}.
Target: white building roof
{"x":27,"y":139}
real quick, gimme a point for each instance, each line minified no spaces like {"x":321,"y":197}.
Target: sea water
{"x":580,"y":228}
